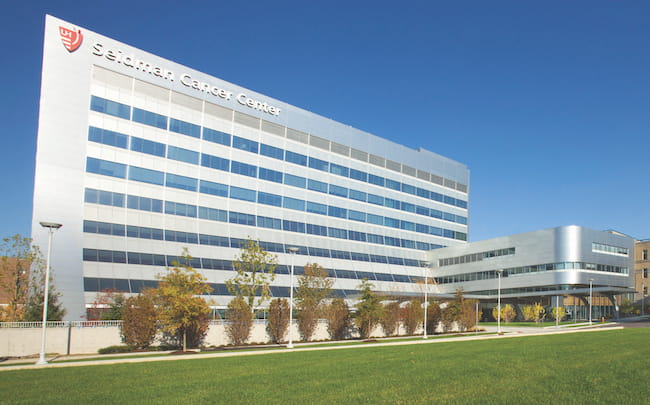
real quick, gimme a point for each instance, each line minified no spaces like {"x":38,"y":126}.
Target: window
{"x":392,"y":222}
{"x":266,"y":222}
{"x":149,"y":147}
{"x":316,"y":208}
{"x":243,"y":169}
{"x":103,"y":197}
{"x":423,"y":193}
{"x":184,"y":210}
{"x":184,"y":128}
{"x":338,"y":169}
{"x":318,"y":164}
{"x":149,"y":118}
{"x":358,"y":175}
{"x":407,"y":207}
{"x":271,"y":151}
{"x":270,"y":175}
{"x":338,"y":191}
{"x":357,"y":195}
{"x":181,"y":182}
{"x":269,"y":199}
{"x":215,"y":162}
{"x":146,"y":175}
{"x":645,"y":273}
{"x":317,"y":186}
{"x":360,"y":236}
{"x":241,"y":218}
{"x":144,"y":204}
{"x":208,"y":187}
{"x":110,"y":107}
{"x":213,"y":214}
{"x":105,"y":168}
{"x":337,"y":233}
{"x":337,"y":212}
{"x":182,"y":155}
{"x":377,"y":180}
{"x":296,"y":158}
{"x":293,"y":226}
{"x":295,"y":181}
{"x":406,"y":188}
{"x":242,"y":194}
{"x":357,"y":215}
{"x":390,"y":203}
{"x":293,"y":203}
{"x":317,"y":230}
{"x":645,"y":254}
{"x":108,"y":137}
{"x":375,"y":219}
{"x":375,"y":199}
{"x":244,"y":144}
{"x":392,"y":184}
{"x":216,"y":136}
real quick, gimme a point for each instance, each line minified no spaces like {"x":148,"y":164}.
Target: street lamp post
{"x":292,"y":252}
{"x":499,"y":272}
{"x":426,"y":298}
{"x":51,"y":227}
{"x":591,"y":286}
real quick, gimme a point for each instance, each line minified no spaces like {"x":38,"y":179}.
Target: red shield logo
{"x":71,"y":39}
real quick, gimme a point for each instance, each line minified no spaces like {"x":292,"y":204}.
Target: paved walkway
{"x":94,"y":360}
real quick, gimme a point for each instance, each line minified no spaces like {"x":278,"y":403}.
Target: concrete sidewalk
{"x":95,"y":360}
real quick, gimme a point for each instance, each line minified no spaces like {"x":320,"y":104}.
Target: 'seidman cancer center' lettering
{"x":131,"y":61}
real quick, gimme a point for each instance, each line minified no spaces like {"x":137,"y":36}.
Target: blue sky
{"x":547,"y":103}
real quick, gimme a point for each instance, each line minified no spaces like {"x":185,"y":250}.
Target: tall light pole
{"x":591,"y":286}
{"x":499,"y":272}
{"x":292,"y":252}
{"x":426,"y":298}
{"x":51,"y":227}
{"x":557,"y":311}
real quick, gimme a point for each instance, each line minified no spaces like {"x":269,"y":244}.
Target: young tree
{"x":182,"y":312}
{"x":255,"y":271}
{"x":467,"y":312}
{"x":558,"y":313}
{"x":412,"y":316}
{"x":390,"y":318}
{"x":139,"y":317}
{"x":534,"y":312}
{"x":337,"y":314}
{"x":434,"y":316}
{"x":508,"y":313}
{"x":450,"y":315}
{"x":313,"y":287}
{"x":107,"y":306}
{"x":17,"y":254}
{"x":240,"y":321}
{"x":369,"y":309}
{"x":34,"y":307}
{"x":278,"y":321}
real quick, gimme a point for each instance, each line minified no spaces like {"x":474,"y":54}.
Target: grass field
{"x":598,"y":367}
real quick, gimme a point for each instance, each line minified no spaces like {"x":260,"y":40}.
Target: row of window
{"x":185,"y":210}
{"x":131,"y":231}
{"x":94,"y":284}
{"x":526,"y":290}
{"x":112,"y":169}
{"x":150,"y":259}
{"x":215,"y":162}
{"x":491,"y":274}
{"x":476,"y":257}
{"x":609,"y":249}
{"x":162,"y":122}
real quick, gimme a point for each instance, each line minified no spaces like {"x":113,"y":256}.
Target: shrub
{"x":139,"y":327}
{"x":338,"y":319}
{"x":390,"y":318}
{"x":412,"y":316}
{"x":240,"y":321}
{"x":434,"y":315}
{"x":278,"y":322}
{"x":115,"y":349}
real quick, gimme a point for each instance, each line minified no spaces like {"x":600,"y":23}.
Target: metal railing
{"x":61,"y":324}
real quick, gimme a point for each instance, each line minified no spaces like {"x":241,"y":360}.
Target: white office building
{"x":139,"y":157}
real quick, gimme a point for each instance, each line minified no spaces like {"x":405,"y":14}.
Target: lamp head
{"x":50,"y":225}
{"x":293,"y":250}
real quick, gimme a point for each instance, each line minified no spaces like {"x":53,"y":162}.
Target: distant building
{"x":641,"y":268}
{"x":547,"y":266}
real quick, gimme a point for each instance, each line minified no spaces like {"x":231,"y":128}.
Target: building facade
{"x":139,"y":157}
{"x":641,"y":268}
{"x":561,"y":266}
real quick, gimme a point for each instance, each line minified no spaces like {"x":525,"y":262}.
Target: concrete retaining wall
{"x":15,"y":342}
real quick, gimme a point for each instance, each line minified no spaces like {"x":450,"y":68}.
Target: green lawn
{"x":597,"y":367}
